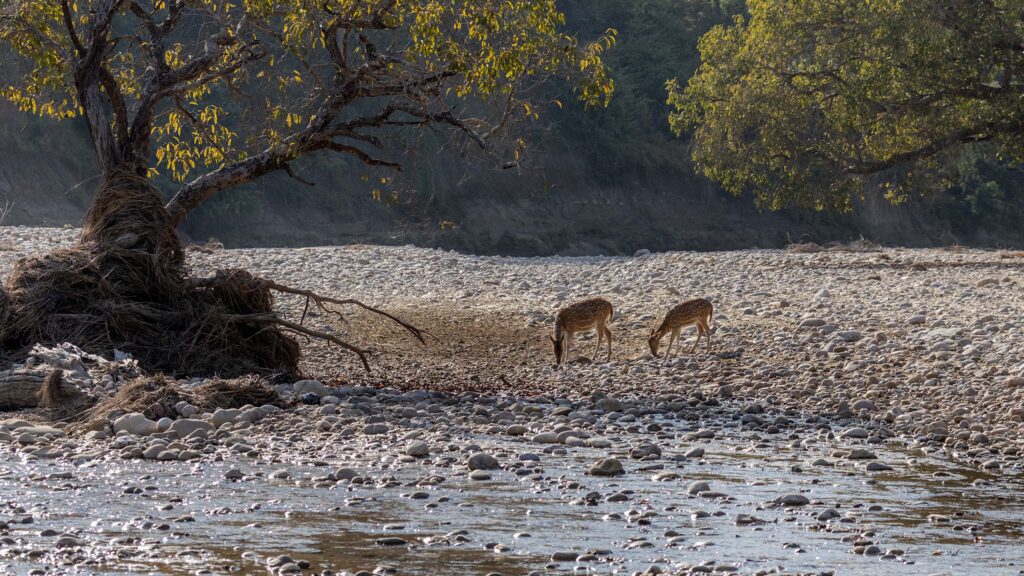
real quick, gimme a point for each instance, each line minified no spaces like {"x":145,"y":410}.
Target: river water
{"x":130,"y":517}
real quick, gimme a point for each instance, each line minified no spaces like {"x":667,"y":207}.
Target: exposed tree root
{"x":220,"y":280}
{"x":125,"y":287}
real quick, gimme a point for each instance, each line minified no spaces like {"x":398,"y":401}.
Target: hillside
{"x":607,"y":181}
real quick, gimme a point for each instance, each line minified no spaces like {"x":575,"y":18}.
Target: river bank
{"x":860,"y":409}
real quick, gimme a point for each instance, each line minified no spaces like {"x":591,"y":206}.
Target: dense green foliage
{"x":807,"y":102}
{"x":627,"y":148}
{"x":657,"y":40}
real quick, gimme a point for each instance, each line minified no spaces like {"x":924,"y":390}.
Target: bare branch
{"x":966,"y":136}
{"x":66,"y":13}
{"x":98,"y":29}
{"x":362,"y":156}
{"x":291,"y":174}
{"x":320,"y":300}
{"x":299,"y":329}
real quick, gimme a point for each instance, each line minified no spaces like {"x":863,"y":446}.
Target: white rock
{"x":252,"y":415}
{"x":185,"y":426}
{"x":222,"y":416}
{"x":418,"y":450}
{"x":42,"y":431}
{"x":698,"y":487}
{"x":516,"y":430}
{"x":792,"y":500}
{"x":345,"y":474}
{"x":135,"y":423}
{"x":306,"y":386}
{"x":545,"y":438}
{"x":864,"y":404}
{"x":855,"y":432}
{"x":607,"y":467}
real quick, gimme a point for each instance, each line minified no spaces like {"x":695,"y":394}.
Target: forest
{"x":621,"y":171}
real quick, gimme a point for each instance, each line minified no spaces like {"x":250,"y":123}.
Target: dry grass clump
{"x":210,"y":247}
{"x":859,"y":245}
{"x":805,"y":248}
{"x":155,"y":397}
{"x":955,"y":248}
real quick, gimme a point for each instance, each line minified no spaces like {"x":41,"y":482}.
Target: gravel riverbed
{"x":859,"y":410}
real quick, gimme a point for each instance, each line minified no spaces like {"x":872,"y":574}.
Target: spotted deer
{"x":692,"y":312}
{"x":591,"y":314}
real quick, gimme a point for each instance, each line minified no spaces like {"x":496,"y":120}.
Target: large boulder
{"x":222,"y":416}
{"x":135,"y":423}
{"x":185,"y":426}
{"x":310,"y":386}
{"x":482,"y":461}
{"x":607,"y":467}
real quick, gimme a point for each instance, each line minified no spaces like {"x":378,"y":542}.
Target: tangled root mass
{"x":125,"y":287}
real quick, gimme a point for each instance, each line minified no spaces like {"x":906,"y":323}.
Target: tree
{"x":810,"y":103}
{"x":216,"y":93}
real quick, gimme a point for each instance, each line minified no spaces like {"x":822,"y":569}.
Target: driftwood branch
{"x":300,"y":329}
{"x":321,"y":300}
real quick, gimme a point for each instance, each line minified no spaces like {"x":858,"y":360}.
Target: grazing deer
{"x":696,"y":312}
{"x":591,"y":314}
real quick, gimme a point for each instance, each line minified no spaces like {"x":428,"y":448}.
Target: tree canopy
{"x":216,"y":93}
{"x":805,"y":102}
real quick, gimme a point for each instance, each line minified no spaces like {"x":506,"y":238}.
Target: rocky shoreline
{"x":853,"y":369}
{"x":651,"y":485}
{"x":924,"y":343}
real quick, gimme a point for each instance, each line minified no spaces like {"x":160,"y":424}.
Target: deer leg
{"x":700,"y":335}
{"x":671,"y":341}
{"x":707,"y":333}
{"x":608,"y":336}
{"x":600,"y":334}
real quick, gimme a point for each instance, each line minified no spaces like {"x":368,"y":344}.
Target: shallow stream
{"x":926,"y":515}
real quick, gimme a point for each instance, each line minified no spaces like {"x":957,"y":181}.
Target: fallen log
{"x":32,"y":388}
{"x":19,"y":388}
